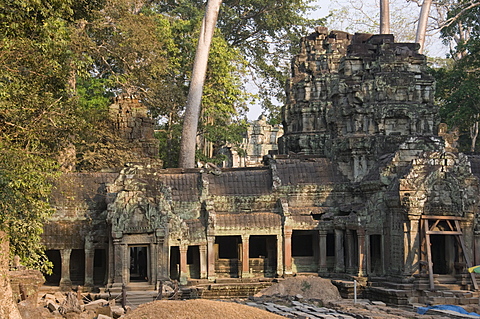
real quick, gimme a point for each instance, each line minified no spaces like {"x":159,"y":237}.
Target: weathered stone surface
{"x":8,"y":309}
{"x":366,"y":175}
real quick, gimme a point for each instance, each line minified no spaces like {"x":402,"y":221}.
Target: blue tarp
{"x":423,"y":310}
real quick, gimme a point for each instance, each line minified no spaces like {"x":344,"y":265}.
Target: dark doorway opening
{"x":376,"y":254}
{"x":443,"y":248}
{"x":99,"y":267}
{"x":54,"y":257}
{"x":138,"y":263}
{"x":227,"y":263}
{"x":263,"y":255}
{"x":228,"y":246}
{"x":193,"y":261}
{"x":175,"y":263}
{"x":77,"y":266}
{"x":302,"y":244}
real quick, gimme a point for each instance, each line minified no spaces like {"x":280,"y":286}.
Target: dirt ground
{"x":314,"y":289}
{"x":198,"y":309}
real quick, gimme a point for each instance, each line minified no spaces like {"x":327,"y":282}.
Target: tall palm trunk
{"x":384,"y":17}
{"x":422,"y":24}
{"x":192,"y":111}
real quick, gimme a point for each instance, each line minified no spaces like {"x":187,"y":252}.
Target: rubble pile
{"x":75,"y":306}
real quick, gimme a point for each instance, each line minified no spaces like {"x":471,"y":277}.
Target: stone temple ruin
{"x":367,"y":185}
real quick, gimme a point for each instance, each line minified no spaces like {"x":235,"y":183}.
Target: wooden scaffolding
{"x":451,"y":224}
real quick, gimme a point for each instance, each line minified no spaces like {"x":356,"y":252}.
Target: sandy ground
{"x":198,"y":309}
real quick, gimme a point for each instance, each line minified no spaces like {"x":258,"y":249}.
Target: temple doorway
{"x":138,"y":263}
{"x":443,"y":254}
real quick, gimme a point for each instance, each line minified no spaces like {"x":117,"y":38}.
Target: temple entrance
{"x":263,"y":255}
{"x":304,"y":251}
{"x":54,"y":257}
{"x":443,"y":254}
{"x":138,"y":263}
{"x":376,"y":255}
{"x":228,"y":252}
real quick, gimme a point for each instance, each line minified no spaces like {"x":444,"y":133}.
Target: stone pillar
{"x":362,"y":264}
{"x":110,"y":263}
{"x":245,"y":256}
{"x":350,"y":251}
{"x":211,"y":257}
{"x":339,"y":251}
{"x":322,"y":245}
{"x":89,"y":256}
{"x":152,"y":257}
{"x":65,"y":282}
{"x":203,"y":261}
{"x":125,"y":263}
{"x":183,"y":264}
{"x":411,"y":235}
{"x":476,"y":251}
{"x":280,"y":266}
{"x":287,"y":244}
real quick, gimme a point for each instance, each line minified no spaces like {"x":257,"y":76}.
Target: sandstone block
{"x":96,"y":304}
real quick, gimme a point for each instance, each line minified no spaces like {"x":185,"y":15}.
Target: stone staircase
{"x":136,"y":298}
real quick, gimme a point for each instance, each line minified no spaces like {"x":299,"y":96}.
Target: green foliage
{"x":458,"y":84}
{"x":265,"y":33}
{"x":25,"y":187}
{"x":36,"y":116}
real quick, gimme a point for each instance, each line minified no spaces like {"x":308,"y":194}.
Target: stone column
{"x":65,"y":282}
{"x":203,"y":261}
{"x":110,"y":262}
{"x":322,"y":245}
{"x":125,"y":255}
{"x":89,"y":256}
{"x":211,"y":257}
{"x":339,"y":251}
{"x":183,"y":264}
{"x":411,"y":235}
{"x":280,"y":265}
{"x":287,"y":244}
{"x":362,"y":264}
{"x":476,"y":251}
{"x":349,"y":248}
{"x":245,"y":256}
{"x":117,"y":262}
{"x":152,"y":257}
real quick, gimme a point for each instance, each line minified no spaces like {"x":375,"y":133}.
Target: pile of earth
{"x":198,"y":309}
{"x":303,"y":287}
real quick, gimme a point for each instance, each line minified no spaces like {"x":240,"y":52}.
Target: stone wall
{"x":354,"y":98}
{"x":133,"y":124}
{"x":8,"y":309}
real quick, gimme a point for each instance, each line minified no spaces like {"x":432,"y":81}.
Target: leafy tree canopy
{"x":458,"y":84}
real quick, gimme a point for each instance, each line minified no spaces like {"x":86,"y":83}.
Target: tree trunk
{"x":192,"y":111}
{"x":422,"y":24}
{"x":384,"y":17}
